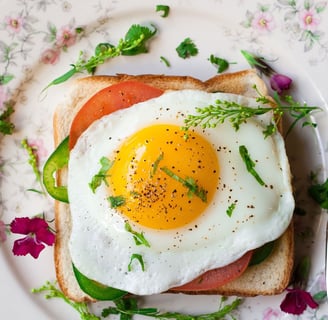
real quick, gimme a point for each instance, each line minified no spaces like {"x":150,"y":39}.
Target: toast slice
{"x":267,"y":278}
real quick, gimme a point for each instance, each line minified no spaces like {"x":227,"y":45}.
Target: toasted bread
{"x":267,"y":278}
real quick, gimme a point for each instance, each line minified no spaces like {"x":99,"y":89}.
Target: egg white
{"x":100,"y":246}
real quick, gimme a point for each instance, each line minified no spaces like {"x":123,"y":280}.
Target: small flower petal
{"x":27,"y":245}
{"x":20,"y":225}
{"x":280,"y":82}
{"x":296,"y":301}
{"x":46,"y":236}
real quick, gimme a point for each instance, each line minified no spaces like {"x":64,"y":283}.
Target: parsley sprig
{"x":133,"y":43}
{"x":127,"y":307}
{"x":101,"y":175}
{"x":7,"y":127}
{"x":237,"y":114}
{"x":52,"y":291}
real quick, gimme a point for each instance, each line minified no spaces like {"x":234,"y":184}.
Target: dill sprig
{"x":238,"y":114}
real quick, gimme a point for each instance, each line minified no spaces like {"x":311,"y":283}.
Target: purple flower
{"x":280,"y":82}
{"x":37,"y":234}
{"x":296,"y":301}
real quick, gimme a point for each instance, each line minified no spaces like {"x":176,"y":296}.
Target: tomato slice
{"x":117,"y":96}
{"x":215,"y":278}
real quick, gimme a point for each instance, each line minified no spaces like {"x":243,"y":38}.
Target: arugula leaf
{"x":53,"y":292}
{"x":250,"y":164}
{"x":116,"y":202}
{"x":319,"y":192}
{"x":139,"y":238}
{"x":106,"y":164}
{"x":189,"y":183}
{"x":133,"y":43}
{"x":164,"y":8}
{"x":126,"y":307}
{"x":139,"y":258}
{"x":187,"y":49}
{"x":220,"y":63}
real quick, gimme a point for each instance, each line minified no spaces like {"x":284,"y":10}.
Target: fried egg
{"x":173,"y":206}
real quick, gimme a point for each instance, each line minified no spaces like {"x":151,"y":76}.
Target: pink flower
{"x":14,"y":24}
{"x":280,"y":82}
{"x":66,"y":37}
{"x":309,"y":19}
{"x":270,"y":314}
{"x":296,"y":301}
{"x":3,"y":230}
{"x":263,"y":21}
{"x":37,"y":233}
{"x":50,"y":56}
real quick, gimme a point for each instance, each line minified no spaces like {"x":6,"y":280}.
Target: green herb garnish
{"x":166,"y":62}
{"x":319,"y":192}
{"x":221,"y":64}
{"x":101,"y":176}
{"x":250,"y":164}
{"x":189,"y":183}
{"x":187,"y":49}
{"x":127,"y":307}
{"x":156,"y":163}
{"x":164,"y":8}
{"x":6,"y":127}
{"x":134,"y":43}
{"x":230,"y":209}
{"x":237,"y":114}
{"x":139,"y":258}
{"x":139,"y":238}
{"x":53,"y":292}
{"x":116,"y":202}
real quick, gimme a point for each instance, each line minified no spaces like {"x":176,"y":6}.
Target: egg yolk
{"x":165,"y":179}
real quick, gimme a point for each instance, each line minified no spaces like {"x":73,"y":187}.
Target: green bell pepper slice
{"x":95,"y":289}
{"x":57,"y":160}
{"x":261,"y":253}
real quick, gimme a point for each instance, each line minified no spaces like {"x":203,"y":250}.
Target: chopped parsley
{"x":116,"y":202}
{"x":6,"y":127}
{"x":164,"y":9}
{"x":319,"y":192}
{"x":138,"y":257}
{"x":189,"y":183}
{"x":156,"y":163}
{"x":250,"y":164}
{"x":221,"y":64}
{"x":187,"y":49}
{"x":139,"y":238}
{"x":230,"y":209}
{"x":101,"y":176}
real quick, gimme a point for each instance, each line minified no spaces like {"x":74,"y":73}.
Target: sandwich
{"x":153,"y":206}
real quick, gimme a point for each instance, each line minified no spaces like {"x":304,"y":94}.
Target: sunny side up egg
{"x":174,"y":192}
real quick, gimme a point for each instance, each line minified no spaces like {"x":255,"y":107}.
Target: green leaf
{"x":319,"y":192}
{"x":260,"y":254}
{"x":221,"y":64}
{"x":101,"y":176}
{"x":139,"y":238}
{"x":164,"y":8}
{"x":116,"y":202}
{"x":230,"y":209}
{"x":250,"y":164}
{"x":187,"y":49}
{"x":139,"y":258}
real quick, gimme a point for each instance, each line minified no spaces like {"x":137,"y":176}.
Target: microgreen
{"x":133,"y":43}
{"x":221,"y":64}
{"x":138,"y":237}
{"x":32,"y":159}
{"x":52,"y":291}
{"x":230,"y":209}
{"x":164,"y":9}
{"x":127,"y":307}
{"x":6,"y":127}
{"x":189,"y":183}
{"x":187,"y":49}
{"x":116,"y":201}
{"x":213,"y":115}
{"x":138,"y":257}
{"x":250,"y":164}
{"x":165,"y":61}
{"x":106,"y":164}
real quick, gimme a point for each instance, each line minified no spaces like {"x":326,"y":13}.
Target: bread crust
{"x":267,"y":278}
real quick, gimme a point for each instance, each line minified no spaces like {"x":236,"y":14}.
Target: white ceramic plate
{"x":31,"y":50}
